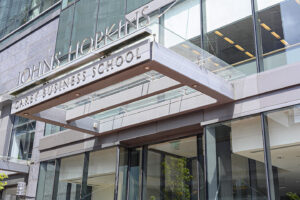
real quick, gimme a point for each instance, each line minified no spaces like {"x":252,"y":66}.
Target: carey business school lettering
{"x":84,"y":76}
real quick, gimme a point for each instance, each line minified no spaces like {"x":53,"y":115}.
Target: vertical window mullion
{"x":128,"y":175}
{"x":117,"y":174}
{"x":202,"y":28}
{"x":267,"y":158}
{"x":200,"y":168}
{"x":257,"y":38}
{"x":84,"y":189}
{"x":56,"y":179}
{"x":144,"y":172}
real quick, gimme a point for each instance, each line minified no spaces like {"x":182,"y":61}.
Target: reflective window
{"x":83,"y":19}
{"x":182,"y":20}
{"x":279,"y":29}
{"x":134,"y":4}
{"x":172,"y":170}
{"x":229,"y":35}
{"x":46,"y":180}
{"x":110,"y":12}
{"x":70,"y":177}
{"x":51,"y":129}
{"x":22,"y":138}
{"x":84,"y":24}
{"x":235,"y":160}
{"x":283,"y":127}
{"x":135,"y":176}
{"x":101,"y":175}
{"x":64,"y":30}
{"x":14,"y":13}
{"x":123,"y":167}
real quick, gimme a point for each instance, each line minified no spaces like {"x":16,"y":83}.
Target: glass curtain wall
{"x":227,"y":29}
{"x":101,"y":175}
{"x":283,"y":127}
{"x":172,"y":170}
{"x":123,"y":172}
{"x":14,"y":13}
{"x":229,"y":35}
{"x":46,"y":180}
{"x":235,"y":165}
{"x":70,"y":178}
{"x":22,"y":138}
{"x":51,"y":129}
{"x":83,"y":19}
{"x":279,"y":31}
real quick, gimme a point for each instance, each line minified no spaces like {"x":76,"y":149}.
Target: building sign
{"x":134,"y":21}
{"x":94,"y":72}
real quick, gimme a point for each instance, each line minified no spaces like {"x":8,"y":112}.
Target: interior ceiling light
{"x":220,"y":34}
{"x":185,"y":46}
{"x":265,"y":26}
{"x":216,"y":64}
{"x":249,"y":54}
{"x":298,"y":1}
{"x":275,"y":35}
{"x":228,"y":40}
{"x":239,"y":47}
{"x":196,"y":52}
{"x":284,"y":42}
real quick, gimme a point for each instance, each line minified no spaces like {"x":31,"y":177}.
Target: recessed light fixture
{"x":26,"y":114}
{"x":219,"y":33}
{"x":275,"y":35}
{"x":265,"y":26}
{"x":185,"y":46}
{"x":194,"y":86}
{"x":77,"y":94}
{"x":196,"y":52}
{"x":228,"y":40}
{"x":239,"y":47}
{"x":284,"y":42}
{"x":249,"y":54}
{"x":147,"y":68}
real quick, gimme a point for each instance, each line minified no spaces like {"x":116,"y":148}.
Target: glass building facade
{"x":226,"y":161}
{"x":256,"y":156}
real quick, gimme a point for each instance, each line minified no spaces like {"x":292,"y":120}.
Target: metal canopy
{"x":126,"y":66}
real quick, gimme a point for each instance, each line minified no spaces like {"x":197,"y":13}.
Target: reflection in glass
{"x":172,"y":170}
{"x":51,"y":129}
{"x":22,"y":138}
{"x":279,"y":28}
{"x":229,"y":35}
{"x":135,"y":175}
{"x":84,"y":22}
{"x":123,"y":167}
{"x":235,"y":160}
{"x":134,"y":4}
{"x":183,"y":19}
{"x":284,"y":133}
{"x":101,"y":175}
{"x":70,"y":177}
{"x":46,"y":180}
{"x":15,"y":13}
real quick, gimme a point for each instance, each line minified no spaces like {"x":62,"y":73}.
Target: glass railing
{"x":194,"y":53}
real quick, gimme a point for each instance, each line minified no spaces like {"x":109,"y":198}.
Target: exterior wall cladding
{"x":213,"y":113}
